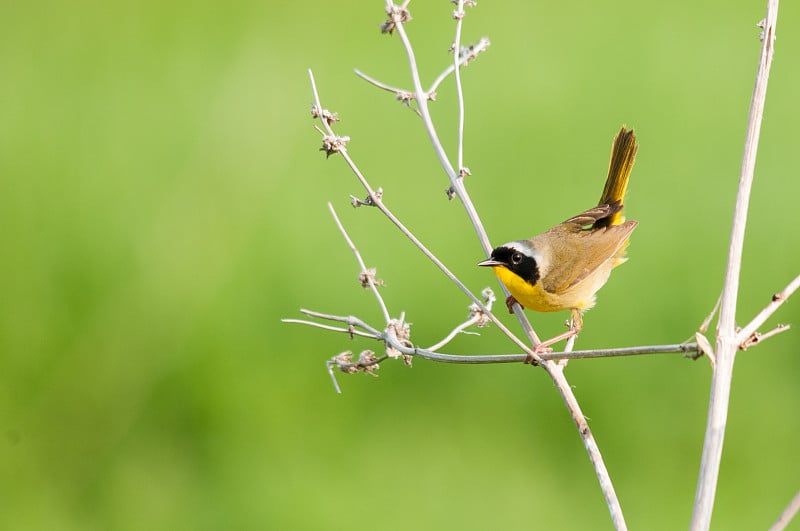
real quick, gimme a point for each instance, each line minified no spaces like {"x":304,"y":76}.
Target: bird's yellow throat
{"x":529,"y":296}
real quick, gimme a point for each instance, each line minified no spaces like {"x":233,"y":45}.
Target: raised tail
{"x":623,"y":154}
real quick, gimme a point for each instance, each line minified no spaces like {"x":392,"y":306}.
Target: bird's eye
{"x":516,"y":258}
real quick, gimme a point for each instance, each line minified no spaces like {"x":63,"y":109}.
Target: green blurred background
{"x":163,"y":206}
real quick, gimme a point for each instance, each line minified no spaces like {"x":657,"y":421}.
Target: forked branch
{"x":396,"y":342}
{"x":728,"y":340}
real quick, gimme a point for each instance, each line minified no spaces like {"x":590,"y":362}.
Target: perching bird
{"x":564,"y":267}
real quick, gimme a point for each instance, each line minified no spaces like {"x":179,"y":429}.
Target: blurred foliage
{"x":162,"y":207}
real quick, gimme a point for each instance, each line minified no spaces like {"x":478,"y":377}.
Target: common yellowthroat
{"x":564,"y":267}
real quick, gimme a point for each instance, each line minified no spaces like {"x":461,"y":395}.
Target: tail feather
{"x":623,"y":154}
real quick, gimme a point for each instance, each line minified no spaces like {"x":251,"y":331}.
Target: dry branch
{"x":727,"y":340}
{"x":394,"y":334}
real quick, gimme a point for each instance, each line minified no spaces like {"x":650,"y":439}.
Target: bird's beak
{"x":491,"y":262}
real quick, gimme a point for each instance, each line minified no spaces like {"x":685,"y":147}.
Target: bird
{"x":564,"y":267}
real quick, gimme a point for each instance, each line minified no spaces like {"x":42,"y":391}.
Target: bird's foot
{"x":544,"y":346}
{"x":510,"y":302}
{"x":541,"y":348}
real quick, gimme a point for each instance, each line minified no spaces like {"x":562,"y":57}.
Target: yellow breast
{"x":578,"y":297}
{"x":532,"y":297}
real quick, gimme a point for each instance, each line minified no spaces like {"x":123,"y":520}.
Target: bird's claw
{"x":538,"y":349}
{"x":510,"y":302}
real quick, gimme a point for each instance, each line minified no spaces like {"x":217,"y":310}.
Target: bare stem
{"x":376,"y":201}
{"x":475,"y":49}
{"x":470,"y":53}
{"x":477,"y":317}
{"x":555,"y":371}
{"x":557,"y":374}
{"x":777,"y":300}
{"x":455,"y":182}
{"x":454,"y":332}
{"x":349,"y":331}
{"x":460,"y":13}
{"x":787,"y":514}
{"x":354,"y":323}
{"x":331,"y":365}
{"x":759,"y":337}
{"x":380,"y":84}
{"x":727,"y":345}
{"x":366,"y":276}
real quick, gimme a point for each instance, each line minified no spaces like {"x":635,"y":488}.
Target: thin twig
{"x":380,"y":84}
{"x":555,"y":372}
{"x":349,"y":319}
{"x":686,"y":349}
{"x":758,"y":337}
{"x":777,"y":300}
{"x":367,"y":277}
{"x":455,"y":182}
{"x":727,"y":343}
{"x":774,"y":332}
{"x":459,"y":14}
{"x":707,"y":321}
{"x":406,"y":96}
{"x":787,"y":514}
{"x":589,"y":442}
{"x":454,"y":332}
{"x":365,"y":273}
{"x":477,"y":317}
{"x":401,"y":95}
{"x":376,"y":201}
{"x":349,"y":331}
{"x":704,"y":346}
{"x":569,"y":345}
{"x":331,"y":364}
{"x":456,"y":46}
{"x":475,"y":49}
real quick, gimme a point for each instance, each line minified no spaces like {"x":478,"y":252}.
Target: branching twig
{"x":758,"y":337}
{"x":727,"y":338}
{"x":349,"y":331}
{"x":476,"y":317}
{"x":457,"y":187}
{"x":366,"y":275}
{"x":466,"y":55}
{"x":376,"y":200}
{"x":787,"y":514}
{"x":454,"y":332}
{"x":404,"y":96}
{"x":353,"y":323}
{"x":777,"y":300}
{"x":459,"y":16}
{"x":398,"y":17}
{"x":367,"y":362}
{"x":456,"y":183}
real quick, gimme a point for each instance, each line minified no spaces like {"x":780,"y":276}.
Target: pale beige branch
{"x":688,"y":350}
{"x":727,"y":342}
{"x":367,"y":276}
{"x":477,"y":317}
{"x":787,"y":514}
{"x":376,"y":200}
{"x":777,"y":300}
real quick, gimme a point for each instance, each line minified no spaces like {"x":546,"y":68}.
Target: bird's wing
{"x":583,"y":248}
{"x":598,"y":216}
